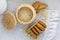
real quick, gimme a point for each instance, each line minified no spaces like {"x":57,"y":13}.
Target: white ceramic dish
{"x":3,"y":6}
{"x":17,"y":34}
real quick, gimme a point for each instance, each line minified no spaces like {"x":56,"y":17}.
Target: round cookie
{"x":25,"y":14}
{"x":9,"y":20}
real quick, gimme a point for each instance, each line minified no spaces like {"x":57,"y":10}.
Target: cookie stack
{"x":36,"y":29}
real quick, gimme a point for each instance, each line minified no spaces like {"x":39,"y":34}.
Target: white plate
{"x":3,"y":6}
{"x":17,"y":33}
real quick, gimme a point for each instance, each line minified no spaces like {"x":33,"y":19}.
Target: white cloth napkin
{"x":52,"y":22}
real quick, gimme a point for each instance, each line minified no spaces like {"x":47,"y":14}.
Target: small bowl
{"x":25,"y":14}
